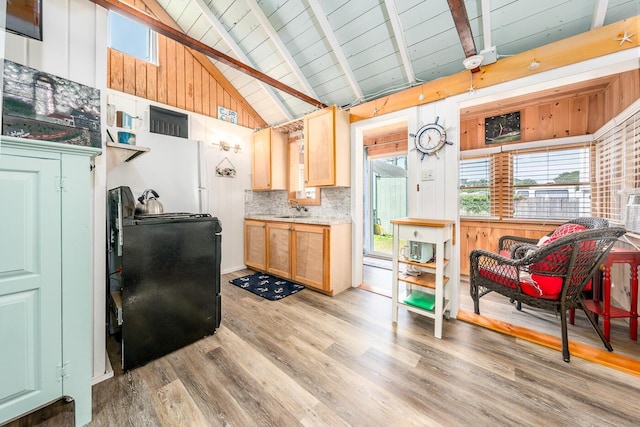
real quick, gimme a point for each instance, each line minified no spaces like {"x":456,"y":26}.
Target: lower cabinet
{"x":45,"y":277}
{"x":279,"y":249}
{"x":311,"y":256}
{"x":317,"y":256}
{"x":255,"y":244}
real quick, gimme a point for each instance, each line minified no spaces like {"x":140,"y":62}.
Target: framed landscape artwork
{"x":24,"y":17}
{"x":502,"y":128}
{"x":38,"y":105}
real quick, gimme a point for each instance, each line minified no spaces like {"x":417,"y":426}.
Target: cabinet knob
{"x":415,"y":233}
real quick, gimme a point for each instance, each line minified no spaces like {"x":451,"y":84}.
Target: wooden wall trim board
{"x":589,"y":45}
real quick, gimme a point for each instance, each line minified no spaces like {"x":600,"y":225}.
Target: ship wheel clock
{"x":430,"y":138}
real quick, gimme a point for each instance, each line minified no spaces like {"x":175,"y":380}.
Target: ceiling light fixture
{"x":472,"y":62}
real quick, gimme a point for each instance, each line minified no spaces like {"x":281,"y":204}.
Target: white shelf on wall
{"x":119,"y":153}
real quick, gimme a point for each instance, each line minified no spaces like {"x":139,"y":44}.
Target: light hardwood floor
{"x":314,"y":360}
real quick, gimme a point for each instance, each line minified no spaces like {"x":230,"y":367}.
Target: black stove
{"x":164,"y":271}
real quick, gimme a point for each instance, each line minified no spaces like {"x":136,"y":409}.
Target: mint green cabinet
{"x":45,"y":276}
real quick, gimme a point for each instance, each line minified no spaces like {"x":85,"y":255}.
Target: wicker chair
{"x":510,"y":244}
{"x":550,"y":277}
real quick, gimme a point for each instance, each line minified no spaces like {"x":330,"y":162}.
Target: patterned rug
{"x":266,"y":286}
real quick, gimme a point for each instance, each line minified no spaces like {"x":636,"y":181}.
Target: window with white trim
{"x":552,"y":183}
{"x":132,"y":38}
{"x":533,"y":183}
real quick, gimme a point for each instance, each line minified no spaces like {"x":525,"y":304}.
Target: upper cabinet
{"x":327,"y":148}
{"x":269,"y":160}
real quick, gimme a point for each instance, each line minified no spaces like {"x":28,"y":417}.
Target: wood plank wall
{"x":557,"y":117}
{"x":542,"y":118}
{"x":179,"y":81}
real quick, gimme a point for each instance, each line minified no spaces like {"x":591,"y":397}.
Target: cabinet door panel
{"x":255,"y":240}
{"x":30,"y":285}
{"x":319,"y":149}
{"x":311,"y":256}
{"x":261,"y":158}
{"x":279,"y":253}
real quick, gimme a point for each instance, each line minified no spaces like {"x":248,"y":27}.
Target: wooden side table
{"x":434,"y":274}
{"x":604,"y":308}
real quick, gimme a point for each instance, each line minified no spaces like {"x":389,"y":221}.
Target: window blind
{"x":552,"y":182}
{"x":617,"y":184}
{"x":476,"y":176}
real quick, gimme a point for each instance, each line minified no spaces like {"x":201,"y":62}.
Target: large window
{"x":617,"y":194}
{"x":552,"y":184}
{"x":132,"y":38}
{"x":538,"y":183}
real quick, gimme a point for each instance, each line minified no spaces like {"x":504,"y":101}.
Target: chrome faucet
{"x":294,"y":204}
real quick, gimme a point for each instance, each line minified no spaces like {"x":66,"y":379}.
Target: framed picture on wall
{"x":502,"y":128}
{"x":24,"y":17}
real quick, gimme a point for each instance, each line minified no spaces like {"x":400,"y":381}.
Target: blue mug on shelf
{"x":127,"y":138}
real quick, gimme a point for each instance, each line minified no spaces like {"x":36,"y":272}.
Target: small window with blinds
{"x":617,"y":188}
{"x":552,"y":183}
{"x":475,"y":187}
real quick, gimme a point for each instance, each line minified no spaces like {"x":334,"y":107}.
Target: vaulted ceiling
{"x":346,"y":52}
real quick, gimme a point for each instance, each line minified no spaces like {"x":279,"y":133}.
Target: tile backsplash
{"x":335,"y":202}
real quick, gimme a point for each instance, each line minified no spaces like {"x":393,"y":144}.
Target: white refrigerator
{"x":173,"y":167}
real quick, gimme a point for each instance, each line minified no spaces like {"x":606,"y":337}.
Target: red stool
{"x":603,"y":308}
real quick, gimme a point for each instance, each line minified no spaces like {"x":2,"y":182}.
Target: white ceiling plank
{"x":335,"y":46}
{"x":215,"y":22}
{"x":599,"y":13}
{"x":284,"y":52}
{"x":396,"y":25}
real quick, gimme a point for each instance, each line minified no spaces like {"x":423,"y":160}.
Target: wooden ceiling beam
{"x":581,"y":47}
{"x":194,"y":44}
{"x":461,"y":20}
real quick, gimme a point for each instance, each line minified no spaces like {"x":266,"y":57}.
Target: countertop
{"x":301,"y":219}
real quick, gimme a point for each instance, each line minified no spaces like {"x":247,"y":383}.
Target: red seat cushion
{"x":563,"y":230}
{"x":535,"y":285}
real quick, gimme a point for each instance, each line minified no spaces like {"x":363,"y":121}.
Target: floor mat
{"x":269,"y":287}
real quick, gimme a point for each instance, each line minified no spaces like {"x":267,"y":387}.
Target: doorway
{"x":385,"y":198}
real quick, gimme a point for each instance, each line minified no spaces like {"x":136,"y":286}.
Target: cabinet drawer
{"x":420,"y":234}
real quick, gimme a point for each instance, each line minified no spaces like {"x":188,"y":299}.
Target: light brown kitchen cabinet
{"x":311,"y":262}
{"x":327,"y":148}
{"x":279,"y":253}
{"x":269,"y":160}
{"x":317,"y":256}
{"x":255,"y":244}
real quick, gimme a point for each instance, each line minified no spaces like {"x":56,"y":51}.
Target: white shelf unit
{"x":434,"y":275}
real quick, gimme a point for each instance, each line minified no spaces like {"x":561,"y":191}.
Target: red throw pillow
{"x":563,"y":230}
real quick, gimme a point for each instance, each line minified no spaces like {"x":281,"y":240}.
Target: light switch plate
{"x":428,"y":174}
